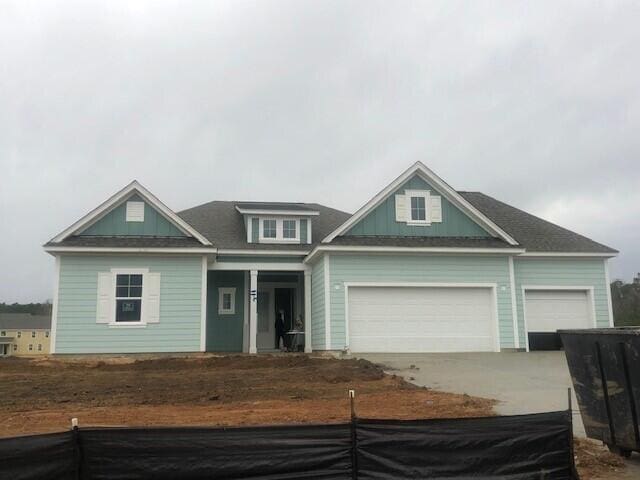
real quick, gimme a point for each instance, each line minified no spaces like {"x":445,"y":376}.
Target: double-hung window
{"x":269,"y":228}
{"x":289,"y":229}
{"x":417,"y":207}
{"x":128,"y":297}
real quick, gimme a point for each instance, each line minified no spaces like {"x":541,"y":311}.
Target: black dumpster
{"x":605,"y":370}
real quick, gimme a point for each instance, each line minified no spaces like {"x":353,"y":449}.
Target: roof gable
{"x":114,"y":223}
{"x":439,"y":186}
{"x":165,"y":218}
{"x":381,"y":220}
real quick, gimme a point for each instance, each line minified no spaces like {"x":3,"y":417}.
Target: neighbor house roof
{"x":223,"y":225}
{"x":26,"y":321}
{"x":533,"y":233}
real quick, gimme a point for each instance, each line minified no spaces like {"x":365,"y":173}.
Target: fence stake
{"x":572,"y":459}
{"x":354,"y":436}
{"x":76,"y":448}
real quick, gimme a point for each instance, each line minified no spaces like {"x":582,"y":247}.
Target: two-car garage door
{"x":421,"y":319}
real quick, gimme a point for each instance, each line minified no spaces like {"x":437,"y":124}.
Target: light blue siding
{"x":225,"y":332}
{"x":303,"y":230}
{"x":114,"y":223}
{"x":317,"y":306}
{"x":418,"y":268}
{"x":255,"y":230}
{"x":180,"y":303}
{"x":382,"y":220}
{"x":562,"y":272}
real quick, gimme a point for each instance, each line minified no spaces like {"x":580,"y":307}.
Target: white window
{"x":15,"y":347}
{"x":3,"y":334}
{"x":128,"y":297}
{"x":39,"y":347}
{"x":33,"y":334}
{"x":135,"y":211}
{"x":418,"y":207}
{"x":289,"y":229}
{"x":279,"y":230}
{"x":269,"y":228}
{"x":46,"y":334}
{"x":19,"y":334}
{"x":226,"y":301}
{"x":30,"y":347}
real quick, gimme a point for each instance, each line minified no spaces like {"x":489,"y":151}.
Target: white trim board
{"x":271,"y":267}
{"x":255,"y":252}
{"x":203,"y":306}
{"x":120,"y":196}
{"x":327,"y":303}
{"x":409,"y":250}
{"x":608,"y":287}
{"x":579,"y":288}
{"x":568,"y":254}
{"x":195,"y":250}
{"x":441,"y":187}
{"x":514,"y":304}
{"x":54,"y":307}
{"x":270,"y":212}
{"x":492,"y":286}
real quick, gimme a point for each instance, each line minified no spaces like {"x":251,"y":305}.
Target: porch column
{"x":307,"y":312}
{"x":253,"y":311}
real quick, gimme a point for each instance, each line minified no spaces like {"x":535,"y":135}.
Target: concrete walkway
{"x":521,"y":382}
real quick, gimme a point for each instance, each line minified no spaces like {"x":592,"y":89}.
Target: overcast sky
{"x":534,"y":103}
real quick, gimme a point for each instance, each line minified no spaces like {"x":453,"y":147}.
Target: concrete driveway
{"x":521,"y":382}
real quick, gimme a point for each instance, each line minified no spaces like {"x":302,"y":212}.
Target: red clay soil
{"x":42,"y":395}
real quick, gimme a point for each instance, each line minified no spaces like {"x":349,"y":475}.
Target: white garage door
{"x":551,"y":310}
{"x":421,"y":319}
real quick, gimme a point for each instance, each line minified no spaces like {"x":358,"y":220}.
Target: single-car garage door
{"x":550,"y":310}
{"x":421,"y":319}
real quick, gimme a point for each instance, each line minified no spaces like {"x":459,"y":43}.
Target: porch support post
{"x":307,"y":311}
{"x":253,"y":311}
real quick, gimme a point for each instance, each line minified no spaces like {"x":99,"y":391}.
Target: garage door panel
{"x":549,"y":310}
{"x":420,"y":319}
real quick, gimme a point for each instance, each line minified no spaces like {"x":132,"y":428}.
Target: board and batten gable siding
{"x":180,"y":303}
{"x":382,"y":220}
{"x":114,"y":223}
{"x":317,"y":306}
{"x":225,"y":331}
{"x":418,"y":269}
{"x":567,"y":272}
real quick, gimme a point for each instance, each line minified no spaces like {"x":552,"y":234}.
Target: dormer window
{"x":289,"y":229}
{"x":269,"y":227}
{"x":279,"y":230}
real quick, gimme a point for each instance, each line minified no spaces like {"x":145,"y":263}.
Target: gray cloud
{"x":535,"y":104}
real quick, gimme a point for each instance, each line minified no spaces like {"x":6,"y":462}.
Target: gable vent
{"x":135,"y":211}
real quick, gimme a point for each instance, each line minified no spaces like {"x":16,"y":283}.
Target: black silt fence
{"x":518,"y":447}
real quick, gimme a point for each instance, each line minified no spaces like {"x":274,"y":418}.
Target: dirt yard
{"x":42,"y":395}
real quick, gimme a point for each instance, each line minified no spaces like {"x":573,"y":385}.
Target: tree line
{"x":32,"y":308}
{"x":625,"y":299}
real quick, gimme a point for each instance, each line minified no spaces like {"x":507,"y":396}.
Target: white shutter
{"x":151,"y":287}
{"x":401,"y":208}
{"x":106,"y":297}
{"x":436,"y":209}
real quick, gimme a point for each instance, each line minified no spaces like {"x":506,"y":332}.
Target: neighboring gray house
{"x":419,"y":268}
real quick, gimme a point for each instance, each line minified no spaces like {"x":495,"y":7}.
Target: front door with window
{"x":266,"y":321}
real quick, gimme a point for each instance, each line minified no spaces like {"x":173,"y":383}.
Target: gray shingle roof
{"x":128,"y":242}
{"x":302,"y":207}
{"x":533,"y":233}
{"x":390,"y":241}
{"x":224,"y":226}
{"x":16,"y":321}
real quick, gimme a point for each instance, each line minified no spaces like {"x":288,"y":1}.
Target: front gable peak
{"x":419,"y":203}
{"x":132,"y":211}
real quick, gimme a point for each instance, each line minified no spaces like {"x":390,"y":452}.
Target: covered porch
{"x":258,"y":310}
